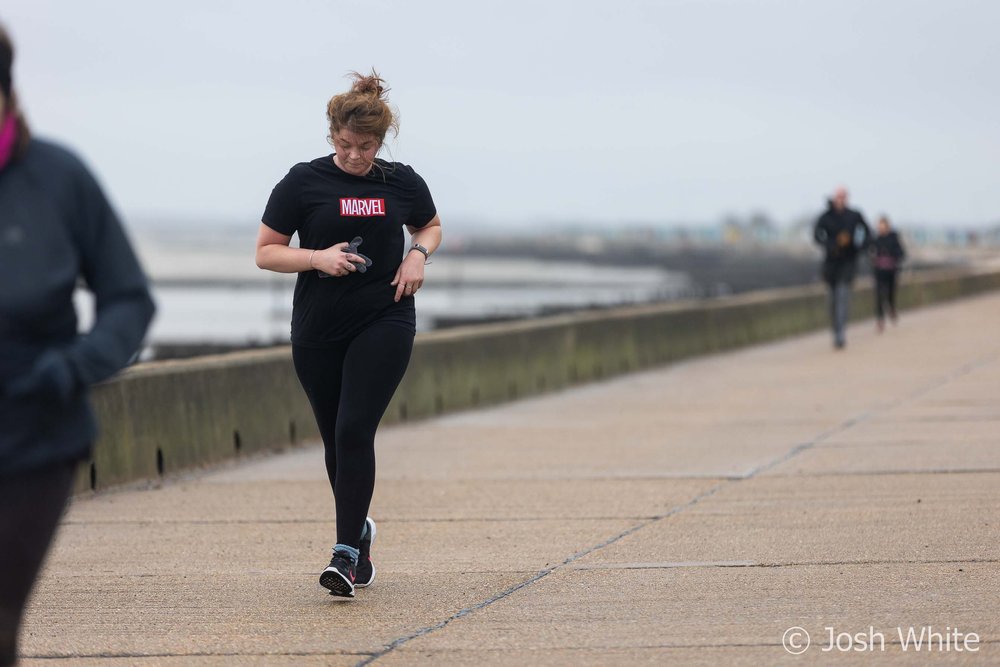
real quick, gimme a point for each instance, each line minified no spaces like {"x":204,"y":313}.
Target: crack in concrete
{"x":752,"y":564}
{"x":652,"y":647}
{"x":885,"y":473}
{"x":197,"y":654}
{"x":223,"y":522}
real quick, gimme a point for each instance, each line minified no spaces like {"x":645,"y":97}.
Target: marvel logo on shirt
{"x":359,"y":207}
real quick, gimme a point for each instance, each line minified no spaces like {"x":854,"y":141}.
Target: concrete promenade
{"x":686,"y":515}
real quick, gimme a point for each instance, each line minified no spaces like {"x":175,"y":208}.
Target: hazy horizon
{"x":517,"y":113}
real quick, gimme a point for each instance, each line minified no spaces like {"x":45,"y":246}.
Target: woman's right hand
{"x":334,"y":261}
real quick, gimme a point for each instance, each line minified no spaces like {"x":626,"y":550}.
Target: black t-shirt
{"x":326,"y":206}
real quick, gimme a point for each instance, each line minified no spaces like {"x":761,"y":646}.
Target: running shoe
{"x":366,"y":568}
{"x":339,"y":576}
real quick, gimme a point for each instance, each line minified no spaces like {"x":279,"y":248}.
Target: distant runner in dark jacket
{"x":887,"y":255}
{"x":843,"y":234}
{"x":56,"y":227}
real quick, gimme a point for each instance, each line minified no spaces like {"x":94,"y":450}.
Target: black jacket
{"x":887,"y":252}
{"x":57,"y":227}
{"x":842,"y":234}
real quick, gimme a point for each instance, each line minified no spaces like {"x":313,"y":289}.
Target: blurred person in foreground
{"x":843,"y":234}
{"x":55,"y":227}
{"x":353,"y":314}
{"x":887,"y":254}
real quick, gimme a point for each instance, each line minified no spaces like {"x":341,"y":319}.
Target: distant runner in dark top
{"x":55,"y":227}
{"x":887,"y":255}
{"x":842,"y":233}
{"x":353,"y":317}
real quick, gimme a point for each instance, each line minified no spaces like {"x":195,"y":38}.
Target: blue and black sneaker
{"x":366,"y":568}
{"x":339,"y":576}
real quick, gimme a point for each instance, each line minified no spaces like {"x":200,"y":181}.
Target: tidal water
{"x":212,"y":292}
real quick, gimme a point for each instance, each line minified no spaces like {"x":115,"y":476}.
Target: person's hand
{"x":51,"y":378}
{"x":334,"y":261}
{"x":843,"y":239}
{"x":409,"y":276}
{"x":353,"y":249}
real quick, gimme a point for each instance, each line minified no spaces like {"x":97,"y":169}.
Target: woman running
{"x":353,"y":317}
{"x":887,"y":255}
{"x":56,"y":227}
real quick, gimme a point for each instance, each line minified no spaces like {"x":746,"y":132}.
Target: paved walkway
{"x":687,"y":515}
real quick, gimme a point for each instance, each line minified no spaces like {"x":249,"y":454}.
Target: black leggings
{"x":30,"y":507}
{"x":885,"y":293}
{"x":349,"y":387}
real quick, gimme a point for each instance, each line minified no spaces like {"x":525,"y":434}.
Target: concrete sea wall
{"x":164,"y":417}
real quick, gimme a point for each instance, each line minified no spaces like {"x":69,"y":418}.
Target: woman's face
{"x":355,"y":152}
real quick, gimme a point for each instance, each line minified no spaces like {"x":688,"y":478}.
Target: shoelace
{"x":343,"y":557}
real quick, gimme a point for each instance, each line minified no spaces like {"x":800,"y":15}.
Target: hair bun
{"x":363,"y":109}
{"x":370,"y":84}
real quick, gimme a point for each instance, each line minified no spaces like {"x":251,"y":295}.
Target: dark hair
{"x":364,"y":109}
{"x":10,"y":97}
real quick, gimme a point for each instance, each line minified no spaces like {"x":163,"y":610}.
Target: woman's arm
{"x":274,"y":254}
{"x":429,"y":236}
{"x":123,"y":304}
{"x":410,"y":275}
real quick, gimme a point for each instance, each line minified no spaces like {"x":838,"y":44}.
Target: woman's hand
{"x":410,"y":275}
{"x":51,"y":378}
{"x":334,"y":261}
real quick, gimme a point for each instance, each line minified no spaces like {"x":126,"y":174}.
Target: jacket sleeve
{"x":820,"y":233}
{"x":123,"y":304}
{"x":862,"y":229}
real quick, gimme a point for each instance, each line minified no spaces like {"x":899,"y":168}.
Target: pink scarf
{"x":8,"y":139}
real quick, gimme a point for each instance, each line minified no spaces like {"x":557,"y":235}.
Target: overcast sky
{"x":532,"y":111}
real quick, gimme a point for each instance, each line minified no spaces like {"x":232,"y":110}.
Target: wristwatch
{"x":417,"y":246}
